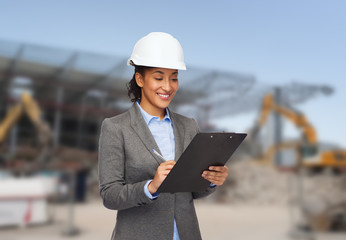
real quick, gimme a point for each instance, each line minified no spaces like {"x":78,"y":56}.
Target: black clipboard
{"x":205,"y":149}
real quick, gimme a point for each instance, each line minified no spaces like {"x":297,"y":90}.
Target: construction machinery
{"x":307,"y":151}
{"x":316,"y":213}
{"x":28,"y":105}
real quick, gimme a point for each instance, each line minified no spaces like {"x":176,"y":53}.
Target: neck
{"x":157,"y":112}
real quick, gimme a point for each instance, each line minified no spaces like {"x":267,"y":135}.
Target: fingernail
{"x":211,"y":168}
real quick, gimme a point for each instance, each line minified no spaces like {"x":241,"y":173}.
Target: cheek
{"x":176,"y":86}
{"x":154,"y":85}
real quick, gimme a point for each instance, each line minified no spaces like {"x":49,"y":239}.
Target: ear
{"x":139,"y":79}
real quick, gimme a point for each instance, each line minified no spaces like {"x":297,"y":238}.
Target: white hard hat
{"x":158,"y":49}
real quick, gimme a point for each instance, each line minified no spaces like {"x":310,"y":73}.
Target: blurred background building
{"x":74,"y":91}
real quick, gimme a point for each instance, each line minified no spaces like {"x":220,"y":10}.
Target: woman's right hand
{"x":160,"y":175}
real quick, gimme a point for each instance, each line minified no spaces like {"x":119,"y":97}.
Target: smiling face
{"x":158,"y":87}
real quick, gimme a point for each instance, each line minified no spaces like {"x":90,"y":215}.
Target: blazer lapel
{"x":143,"y":131}
{"x":179,"y":132}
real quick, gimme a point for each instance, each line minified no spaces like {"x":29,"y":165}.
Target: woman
{"x":129,"y":171}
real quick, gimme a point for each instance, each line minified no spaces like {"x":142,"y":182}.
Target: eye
{"x":158,"y":79}
{"x":174,"y":79}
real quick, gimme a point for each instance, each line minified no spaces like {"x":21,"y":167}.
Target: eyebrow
{"x":164,"y":73}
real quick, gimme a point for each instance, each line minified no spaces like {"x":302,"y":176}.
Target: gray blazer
{"x":126,"y":163}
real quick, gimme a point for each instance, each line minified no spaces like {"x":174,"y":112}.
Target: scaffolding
{"x":77,"y":90}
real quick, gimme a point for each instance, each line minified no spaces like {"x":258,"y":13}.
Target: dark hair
{"x":132,"y":87}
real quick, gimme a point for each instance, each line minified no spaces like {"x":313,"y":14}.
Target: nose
{"x":166,"y":85}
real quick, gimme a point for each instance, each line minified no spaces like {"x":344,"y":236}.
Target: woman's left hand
{"x":217,"y":174}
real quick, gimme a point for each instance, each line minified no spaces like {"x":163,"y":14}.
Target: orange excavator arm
{"x":295,"y":117}
{"x":10,"y":119}
{"x":308,"y":147}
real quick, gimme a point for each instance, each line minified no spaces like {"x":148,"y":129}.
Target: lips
{"x":164,"y":96}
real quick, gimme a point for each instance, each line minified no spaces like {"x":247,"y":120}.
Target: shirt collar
{"x":148,"y":118}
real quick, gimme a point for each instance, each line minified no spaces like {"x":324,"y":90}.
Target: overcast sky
{"x":276,"y":41}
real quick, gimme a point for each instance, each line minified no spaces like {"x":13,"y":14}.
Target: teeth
{"x":161,"y":95}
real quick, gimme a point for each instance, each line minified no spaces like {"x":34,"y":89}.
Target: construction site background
{"x":286,"y":181}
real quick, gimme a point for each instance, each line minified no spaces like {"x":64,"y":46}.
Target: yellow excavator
{"x":28,"y":106}
{"x":307,"y":150}
{"x":315,"y":211}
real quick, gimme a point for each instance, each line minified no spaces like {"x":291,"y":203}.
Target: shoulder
{"x":115,"y":124}
{"x":180,"y":117}
{"x":122,"y":118}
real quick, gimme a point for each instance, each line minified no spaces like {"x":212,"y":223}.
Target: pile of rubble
{"x":250,"y":182}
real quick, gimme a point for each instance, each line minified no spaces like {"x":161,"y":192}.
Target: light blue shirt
{"x":162,"y":131}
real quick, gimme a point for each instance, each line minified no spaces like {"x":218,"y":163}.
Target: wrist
{"x":151,"y":187}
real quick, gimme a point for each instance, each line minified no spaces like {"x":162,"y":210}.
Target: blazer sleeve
{"x":115,"y":192}
{"x":210,"y":190}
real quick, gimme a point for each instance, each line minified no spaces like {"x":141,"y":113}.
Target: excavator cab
{"x":308,"y":150}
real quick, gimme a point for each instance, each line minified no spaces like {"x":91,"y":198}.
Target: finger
{"x":215,"y":178}
{"x":216,"y":181}
{"x":164,"y":172}
{"x":207,"y":173}
{"x":165,"y":168}
{"x":218,"y":168}
{"x":169,"y":162}
{"x":169,"y":167}
{"x":212,"y":173}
